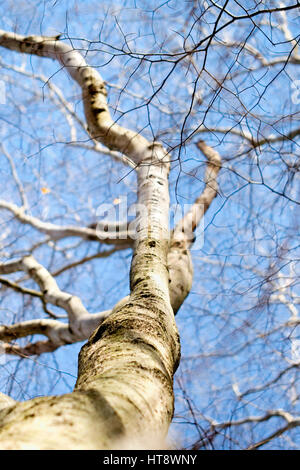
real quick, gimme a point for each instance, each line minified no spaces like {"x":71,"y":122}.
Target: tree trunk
{"x":124,"y":392}
{"x":123,"y":396}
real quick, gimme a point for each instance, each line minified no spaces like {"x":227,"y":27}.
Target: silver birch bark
{"x":123,"y":396}
{"x":124,"y":388}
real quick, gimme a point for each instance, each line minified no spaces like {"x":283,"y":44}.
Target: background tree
{"x":131,"y":90}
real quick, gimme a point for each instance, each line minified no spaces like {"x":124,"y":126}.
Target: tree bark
{"x":124,"y":392}
{"x":123,"y":397}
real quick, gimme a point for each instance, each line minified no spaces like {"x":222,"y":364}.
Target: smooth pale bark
{"x":123,"y":396}
{"x":57,"y":232}
{"x":100,"y":124}
{"x":124,"y":392}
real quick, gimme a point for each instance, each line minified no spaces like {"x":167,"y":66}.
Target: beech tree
{"x":188,"y":112}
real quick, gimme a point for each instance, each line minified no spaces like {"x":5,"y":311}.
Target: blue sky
{"x":250,"y":230}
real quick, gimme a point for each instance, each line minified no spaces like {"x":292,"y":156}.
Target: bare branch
{"x":191,"y":220}
{"x":57,"y":232}
{"x":58,"y":333}
{"x":16,"y":177}
{"x":100,"y":125}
